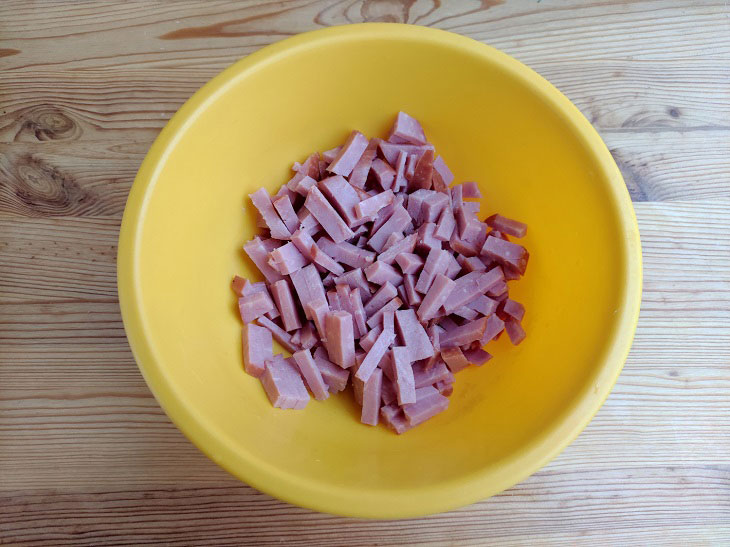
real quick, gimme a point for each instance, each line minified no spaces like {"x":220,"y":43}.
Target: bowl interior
{"x":494,"y":122}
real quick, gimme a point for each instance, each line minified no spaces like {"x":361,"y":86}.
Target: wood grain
{"x":87,"y":457}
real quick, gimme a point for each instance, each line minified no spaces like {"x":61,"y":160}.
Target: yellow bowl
{"x":495,"y":121}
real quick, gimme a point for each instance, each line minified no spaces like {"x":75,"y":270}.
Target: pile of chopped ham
{"x":378,"y":275}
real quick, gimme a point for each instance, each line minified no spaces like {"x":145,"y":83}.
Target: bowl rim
{"x":436,"y":498}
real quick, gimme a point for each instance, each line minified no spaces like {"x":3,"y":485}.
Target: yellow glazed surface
{"x":494,"y":121}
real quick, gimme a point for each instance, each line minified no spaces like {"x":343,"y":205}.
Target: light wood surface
{"x":86,"y":454}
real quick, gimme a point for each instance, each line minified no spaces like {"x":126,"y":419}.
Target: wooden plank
{"x":214,"y":34}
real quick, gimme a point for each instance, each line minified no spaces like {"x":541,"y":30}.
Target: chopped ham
{"x":340,"y":338}
{"x":334,"y":376}
{"x":326,"y":215}
{"x":253,"y":306}
{"x":284,"y":385}
{"x":262,"y":202}
{"x":286,"y":212}
{"x":404,"y":381}
{"x":257,"y":348}
{"x":413,"y":336}
{"x":284,"y":300}
{"x":350,"y":153}
{"x":407,"y":130}
{"x":436,"y":297}
{"x":409,"y":263}
{"x":506,"y":253}
{"x":279,"y":334}
{"x":380,"y":273}
{"x":507,"y":225}
{"x":311,"y":373}
{"x":415,"y":283}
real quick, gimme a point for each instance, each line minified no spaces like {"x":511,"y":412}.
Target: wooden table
{"x":86,"y":454}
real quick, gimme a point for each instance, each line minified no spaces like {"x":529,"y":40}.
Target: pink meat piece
{"x":318,"y":312}
{"x":253,"y":288}
{"x":349,"y":154}
{"x":287,"y":259}
{"x":415,"y":203}
{"x":359,"y":175}
{"x":409,"y":263}
{"x":515,"y":331}
{"x":310,"y":166}
{"x":470,"y":285}
{"x":510,"y":274}
{"x":400,"y":172}
{"x":494,"y":326}
{"x":286,"y":212}
{"x":328,"y":281}
{"x":461,"y":246}
{"x":425,"y":376}
{"x":447,"y":324}
{"x":259,"y":255}
{"x":334,"y":301}
{"x":477,"y":356}
{"x":385,"y":213}
{"x":381,"y":297}
{"x":346,"y":253}
{"x":284,"y":300}
{"x":422,"y":174}
{"x":311,"y":373}
{"x":432,"y":207}
{"x":397,"y":222}
{"x":413,"y":335}
{"x":343,"y":295}
{"x":454,"y":359}
{"x":407,"y":129}
{"x":471,"y":264}
{"x":457,"y":197}
{"x":514,"y":309}
{"x":330,"y":155}
{"x":376,"y":318}
{"x":371,"y":395}
{"x":446,"y":225}
{"x":308,"y":335}
{"x":470,"y":189}
{"x":482,"y":304}
{"x":404,"y":381}
{"x":355,"y":279}
{"x":334,"y":376}
{"x":308,"y":286}
{"x":436,"y":263}
{"x":374,"y":355}
{"x":390,"y":151}
{"x":507,"y":225}
{"x":307,"y":222}
{"x":402,"y":293}
{"x":394,"y":418}
{"x":262,"y":202}
{"x":358,"y":313}
{"x":279,"y":334}
{"x":367,"y":341}
{"x":238,"y":284}
{"x":296,"y":338}
{"x":463,"y":334}
{"x":506,"y":253}
{"x":442,"y":173}
{"x":260,"y":223}
{"x":388,"y":393}
{"x":429,"y":402}
{"x":257,"y":348}
{"x":444,"y":388}
{"x":393,"y":238}
{"x":380,"y":273}
{"x":384,"y":173}
{"x":323,"y":259}
{"x":326,"y":215}
{"x":425,"y":240}
{"x":303,"y":241}
{"x":371,"y":206}
{"x":467,"y":224}
{"x":283,"y":385}
{"x":340,"y":338}
{"x":466,"y":313}
{"x":453,"y":269}
{"x":254,"y":306}
{"x":413,"y":297}
{"x":342,"y":196}
{"x":410,"y":166}
{"x":440,"y":290}
{"x":300,"y":183}
{"x":405,"y":245}
{"x":471,"y":207}
{"x":498,"y":289}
